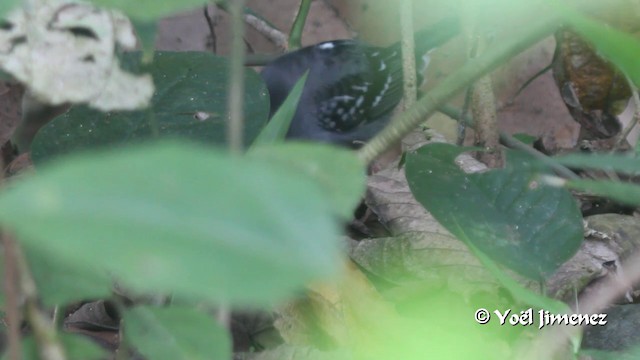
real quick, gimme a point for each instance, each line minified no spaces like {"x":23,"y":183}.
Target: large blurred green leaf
{"x":75,"y":346}
{"x":175,"y":333}
{"x":506,"y":214}
{"x":190,"y":101}
{"x":180,"y":218}
{"x":6,"y":5}
{"x":61,"y":282}
{"x":340,"y":173}
{"x":151,"y":9}
{"x":620,"y":48}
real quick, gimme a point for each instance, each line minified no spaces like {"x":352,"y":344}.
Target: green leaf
{"x":623,"y":192}
{"x":190,"y":102}
{"x":179,"y":218}
{"x":278,"y":126}
{"x":632,"y":353}
{"x":75,"y":346}
{"x":526,"y":138}
{"x":175,"y":333}
{"x":61,"y":282}
{"x":339,"y":171}
{"x":147,"y":10}
{"x":146,"y":31}
{"x":620,"y":48}
{"x":505,"y":213}
{"x":7,"y":5}
{"x":609,"y":162}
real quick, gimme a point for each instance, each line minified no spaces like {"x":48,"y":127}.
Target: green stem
{"x":295,"y":35}
{"x":236,"y":78}
{"x":11,"y":306}
{"x":455,"y":83}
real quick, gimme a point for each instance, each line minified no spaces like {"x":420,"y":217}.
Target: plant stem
{"x":236,"y":78}
{"x":408,"y":55}
{"x":12,"y":310}
{"x":295,"y":35}
{"x":44,"y":331}
{"x":510,"y":141}
{"x":483,"y":107}
{"x":211,"y":22}
{"x":535,"y":31}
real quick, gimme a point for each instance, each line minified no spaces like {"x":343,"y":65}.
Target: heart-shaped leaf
{"x":506,"y":213}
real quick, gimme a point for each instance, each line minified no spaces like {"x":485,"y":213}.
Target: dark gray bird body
{"x":352,"y":88}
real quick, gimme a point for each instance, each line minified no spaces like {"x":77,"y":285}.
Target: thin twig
{"x":467,"y":74}
{"x":295,"y":35}
{"x":236,"y":79}
{"x":262,"y":26}
{"x":527,"y":83}
{"x":274,"y":35}
{"x":464,"y":112}
{"x":211,"y":22}
{"x":472,"y":53}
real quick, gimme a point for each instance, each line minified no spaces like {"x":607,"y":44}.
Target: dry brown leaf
{"x":611,"y":239}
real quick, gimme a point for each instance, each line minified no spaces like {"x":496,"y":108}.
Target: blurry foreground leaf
{"x":179,"y":218}
{"x":176,"y":333}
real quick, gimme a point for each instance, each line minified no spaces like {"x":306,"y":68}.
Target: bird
{"x":351,"y":89}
